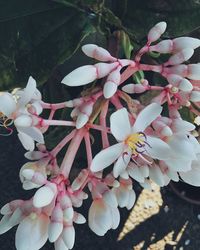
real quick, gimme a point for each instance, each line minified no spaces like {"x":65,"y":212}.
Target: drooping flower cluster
{"x":151,"y":143}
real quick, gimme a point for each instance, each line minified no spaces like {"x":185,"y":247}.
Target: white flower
{"x":20,"y":106}
{"x":133,"y":142}
{"x":103,"y":213}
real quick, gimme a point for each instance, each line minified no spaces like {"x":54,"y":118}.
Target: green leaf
{"x":126,"y":44}
{"x":37,"y":36}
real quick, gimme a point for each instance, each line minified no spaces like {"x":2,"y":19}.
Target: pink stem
{"x":54,"y":106}
{"x":116,"y":102}
{"x":88,"y":148}
{"x":45,"y":123}
{"x":155,"y":87}
{"x":98,"y":127}
{"x":71,"y":152}
{"x":128,"y":73}
{"x":146,"y":67}
{"x":102,"y":118}
{"x":61,"y":144}
{"x":52,"y":112}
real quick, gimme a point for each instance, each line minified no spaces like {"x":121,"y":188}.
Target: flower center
{"x":136,"y":142}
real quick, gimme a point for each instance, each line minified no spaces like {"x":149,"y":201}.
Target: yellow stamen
{"x":133,"y":140}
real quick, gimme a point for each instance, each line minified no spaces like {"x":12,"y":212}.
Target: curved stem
{"x":71,"y":152}
{"x":102,"y":118}
{"x":45,"y":123}
{"x":88,"y":148}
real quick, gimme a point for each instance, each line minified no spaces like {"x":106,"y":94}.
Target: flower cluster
{"x":149,"y":143}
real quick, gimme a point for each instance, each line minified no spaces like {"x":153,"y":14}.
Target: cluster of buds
{"x":146,"y":147}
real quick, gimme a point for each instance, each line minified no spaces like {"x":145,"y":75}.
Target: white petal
{"x":68,"y":236}
{"x":121,"y":164}
{"x":120,"y":124}
{"x":68,"y":213}
{"x":115,"y":217}
{"x":7,"y":104}
{"x":34,"y":133}
{"x":156,"y":175}
{"x":32,"y":233}
{"x":4,"y":225}
{"x":110,"y":198}
{"x":146,"y":117}
{"x":181,"y":146}
{"x":132,"y":198}
{"x":26,"y":141}
{"x":191,"y":177}
{"x":81,"y":76}
{"x":43,"y":197}
{"x":106,"y":157}
{"x":60,"y":245}
{"x":144,"y":170}
{"x":28,"y":92}
{"x":122,"y":196}
{"x":55,"y":230}
{"x":135,"y":173}
{"x":179,"y":164}
{"x":99,"y":218}
{"x":179,"y":125}
{"x":79,"y":218}
{"x":157,"y":148}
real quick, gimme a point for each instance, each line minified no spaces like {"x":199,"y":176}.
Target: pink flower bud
{"x":134,"y":88}
{"x":103,"y":69}
{"x":44,"y":195}
{"x":79,"y":218}
{"x":165,"y":46}
{"x":68,"y":236}
{"x":194,"y":71}
{"x":68,"y":214}
{"x":181,"y":70}
{"x":156,"y":32}
{"x":56,"y":224}
{"x":97,"y":53}
{"x":195,"y":96}
{"x":180,"y":57}
{"x":112,"y":82}
{"x":81,"y":76}
{"x":80,"y":179}
{"x":180,"y":82}
{"x":185,"y":42}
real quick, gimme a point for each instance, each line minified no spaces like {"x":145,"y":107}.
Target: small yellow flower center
{"x":33,"y":216}
{"x":134,"y":141}
{"x":174,"y":90}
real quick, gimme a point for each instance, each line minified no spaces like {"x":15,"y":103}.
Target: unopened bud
{"x":195,"y":96}
{"x":180,"y":57}
{"x":23,"y":121}
{"x":97,"y":53}
{"x":156,"y":32}
{"x":185,"y":42}
{"x":165,"y":46}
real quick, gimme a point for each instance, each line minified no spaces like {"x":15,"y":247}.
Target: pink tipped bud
{"x":194,"y":71}
{"x":56,"y":225}
{"x":134,"y":88}
{"x":81,"y":76}
{"x":195,"y":96}
{"x":23,"y":121}
{"x":80,"y":179}
{"x":97,"y":53}
{"x":181,"y":70}
{"x":185,"y":42}
{"x":75,"y":102}
{"x":109,"y":89}
{"x":10,"y":207}
{"x":65,"y":202}
{"x":84,"y":115}
{"x":180,"y":82}
{"x":79,"y":218}
{"x":162,"y":128}
{"x":103,"y":69}
{"x":180,"y":57}
{"x":68,"y":214}
{"x":44,"y":196}
{"x":68,"y":236}
{"x":156,"y":32}
{"x":165,"y":46}
{"x":112,"y":82}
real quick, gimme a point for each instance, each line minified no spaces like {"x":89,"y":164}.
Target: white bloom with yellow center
{"x":132,"y":141}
